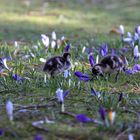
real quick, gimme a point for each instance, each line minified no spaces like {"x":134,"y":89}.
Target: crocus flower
{"x":43,"y":60}
{"x":17,"y":77}
{"x":60,"y":97}
{"x":89,"y":50}
{"x":124,"y":49}
{"x":53,"y":35}
{"x":83,"y":118}
{"x":66,"y":74}
{"x":67,"y":48}
{"x":112,"y":115}
{"x":66,"y":93}
{"x":102,"y":113}
{"x":121,"y":30}
{"x":91,"y":60}
{"x":136,"y":67}
{"x":136,"y":52}
{"x":104,"y":49}
{"x":38,"y":137}
{"x":129,"y":71}
{"x":83,"y":50}
{"x":112,"y":51}
{"x":59,"y":94}
{"x":1,"y":132}
{"x":9,"y":110}
{"x":3,"y":63}
{"x":53,"y":44}
{"x":136,"y":36}
{"x":130,"y":137}
{"x":82,"y":77}
{"x":127,"y":40}
{"x":137,"y":30}
{"x":45,"y":40}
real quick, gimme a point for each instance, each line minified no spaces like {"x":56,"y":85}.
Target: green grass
{"x":86,"y":26}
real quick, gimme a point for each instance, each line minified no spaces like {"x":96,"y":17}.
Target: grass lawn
{"x":37,"y":113}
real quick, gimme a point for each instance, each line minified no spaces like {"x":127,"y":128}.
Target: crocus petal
{"x":89,"y":50}
{"x":43,"y":60}
{"x":53,"y":35}
{"x":83,"y":118}
{"x":38,"y":137}
{"x":136,"y":36}
{"x":59,"y":94}
{"x":129,"y":71}
{"x":83,"y":50}
{"x":4,"y":60}
{"x":136,"y":67}
{"x":112,"y":51}
{"x":66,"y":74}
{"x":129,"y":35}
{"x":53,"y":44}
{"x":102,"y":113}
{"x":91,"y":60}
{"x":82,"y":77}
{"x":17,"y":77}
{"x":9,"y":110}
{"x":67,"y":48}
{"x":130,"y":137}
{"x":136,"y":51}
{"x":121,"y":29}
{"x":137,"y":30}
{"x":66,"y":93}
{"x":127,"y":40}
{"x":45,"y":40}
{"x":1,"y":132}
{"x":112,"y":115}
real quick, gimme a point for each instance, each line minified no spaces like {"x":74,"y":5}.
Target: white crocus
{"x":83,"y":50}
{"x":60,"y":97}
{"x":53,"y":35}
{"x":136,"y":52}
{"x":53,"y":44}
{"x":45,"y":40}
{"x":4,"y":60}
{"x":121,"y":29}
{"x":43,"y":60}
{"x":9,"y":110}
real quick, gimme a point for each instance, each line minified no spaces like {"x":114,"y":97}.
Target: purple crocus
{"x":67,"y":48}
{"x":137,"y":30}
{"x":82,"y":77}
{"x":1,"y":132}
{"x":89,"y":50}
{"x":102,"y":113}
{"x":136,"y":67}
{"x":17,"y":77}
{"x":38,"y":137}
{"x":91,"y":60}
{"x":104,"y":49}
{"x":129,"y":71}
{"x":66,"y":93}
{"x":83,"y":118}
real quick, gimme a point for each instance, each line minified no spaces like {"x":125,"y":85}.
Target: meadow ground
{"x":84,"y":26}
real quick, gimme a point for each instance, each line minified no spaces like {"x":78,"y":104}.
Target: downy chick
{"x":109,"y":64}
{"x":57,"y":64}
